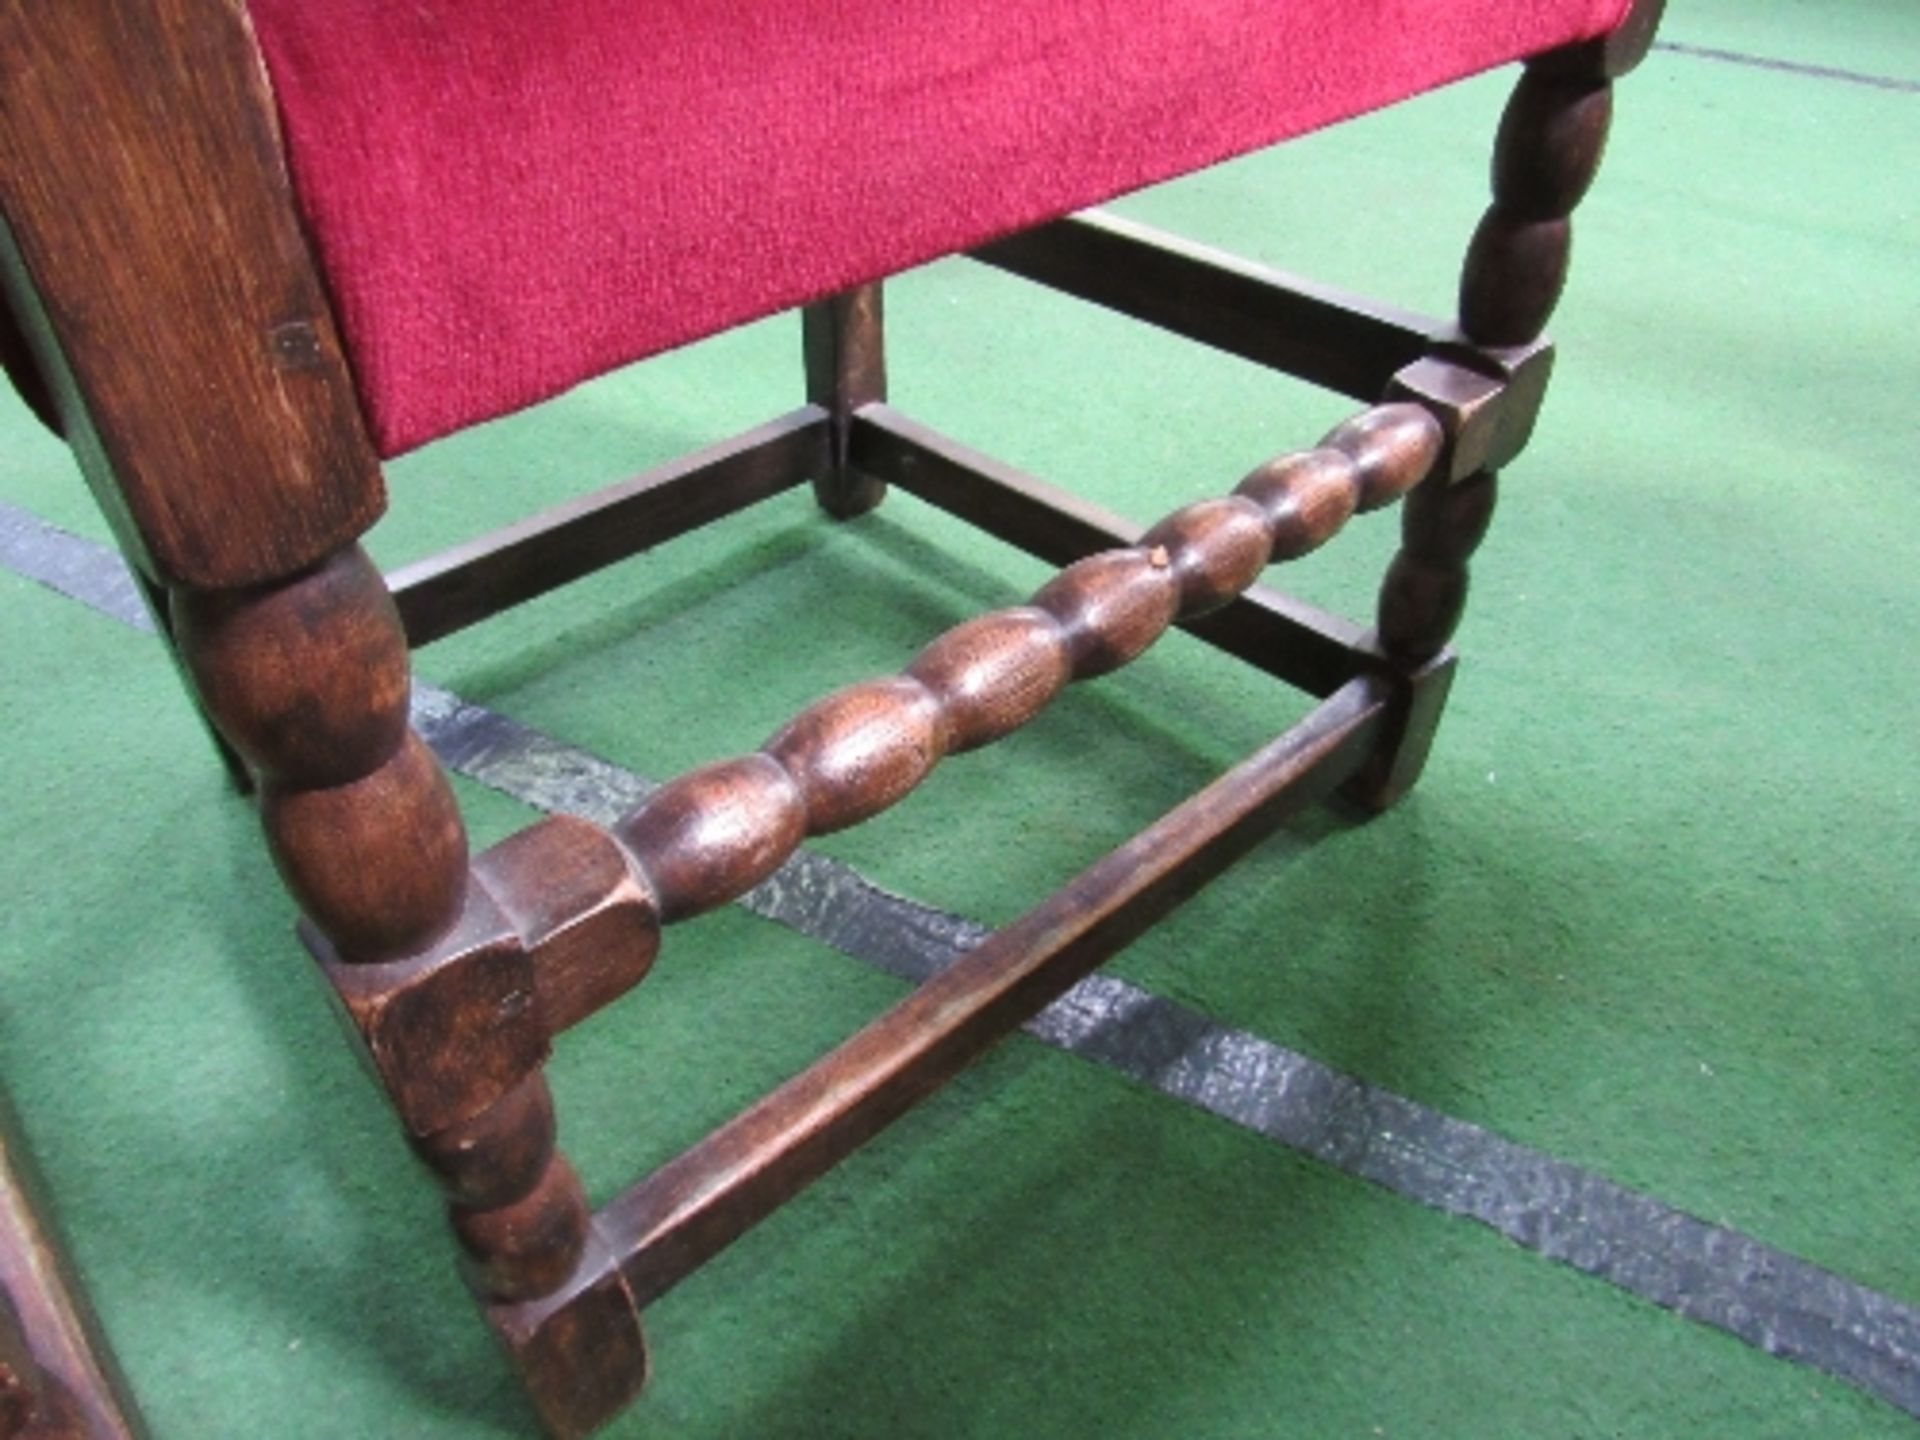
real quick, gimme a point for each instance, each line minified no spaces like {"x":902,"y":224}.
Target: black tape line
{"x":1789,"y":67}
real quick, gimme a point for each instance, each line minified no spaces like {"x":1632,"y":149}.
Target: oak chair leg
{"x":247,"y":506}
{"x":1487,"y":387}
{"x":710,"y":835}
{"x":844,"y":342}
{"x":307,"y":677}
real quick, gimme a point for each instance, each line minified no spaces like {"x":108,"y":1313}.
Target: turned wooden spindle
{"x":1551,"y":137}
{"x":517,"y":1207}
{"x":498,"y":1156}
{"x":528,"y":1247}
{"x":1549,"y":146}
{"x":1424,"y":593}
{"x":713,"y":834}
{"x":308,"y":679}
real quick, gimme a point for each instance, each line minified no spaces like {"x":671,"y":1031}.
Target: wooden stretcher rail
{"x":1312,"y":649}
{"x":1343,"y":342}
{"x":707,"y":837}
{"x":672,"y":1221}
{"x":482,"y":577}
{"x":57,"y":1378}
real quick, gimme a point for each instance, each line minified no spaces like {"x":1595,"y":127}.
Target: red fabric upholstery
{"x":509,"y":196}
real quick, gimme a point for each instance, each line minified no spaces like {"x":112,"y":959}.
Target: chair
{"x":249,"y":254}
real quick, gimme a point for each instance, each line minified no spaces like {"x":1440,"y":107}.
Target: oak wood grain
{"x":155,"y":240}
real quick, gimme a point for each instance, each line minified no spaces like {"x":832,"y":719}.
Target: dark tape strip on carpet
{"x":1789,"y":67}
{"x":1720,"y":1277}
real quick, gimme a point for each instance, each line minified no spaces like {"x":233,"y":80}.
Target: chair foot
{"x":844,"y":340}
{"x":1421,"y":601}
{"x":580,"y":1352}
{"x":1402,"y":755}
{"x":848,"y":494}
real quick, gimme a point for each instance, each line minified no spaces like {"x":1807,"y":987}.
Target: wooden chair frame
{"x":58,"y":1380}
{"x":160,"y":240}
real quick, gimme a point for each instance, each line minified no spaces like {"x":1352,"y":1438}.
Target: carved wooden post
{"x":181,"y":255}
{"x":1487,"y":390}
{"x":308,"y":679}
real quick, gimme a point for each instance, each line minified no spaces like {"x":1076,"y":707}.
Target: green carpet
{"x":1652,"y":910}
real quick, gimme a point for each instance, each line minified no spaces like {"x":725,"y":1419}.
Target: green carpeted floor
{"x":1653,"y":909}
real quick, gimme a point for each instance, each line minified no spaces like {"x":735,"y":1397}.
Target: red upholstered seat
{"x":509,"y":196}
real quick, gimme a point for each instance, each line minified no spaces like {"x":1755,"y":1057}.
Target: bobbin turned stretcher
{"x":180,"y":308}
